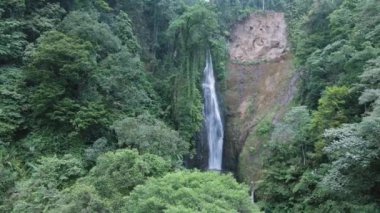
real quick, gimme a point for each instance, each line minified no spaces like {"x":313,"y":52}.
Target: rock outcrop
{"x":260,"y":86}
{"x":259,"y":38}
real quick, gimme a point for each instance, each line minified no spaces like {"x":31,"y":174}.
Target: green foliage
{"x":91,"y":5}
{"x":370,"y":81}
{"x":80,"y":197}
{"x":99,"y":147}
{"x":8,"y":178}
{"x":264,"y":128}
{"x":192,"y":33}
{"x":89,"y":116}
{"x":295,"y":179}
{"x":66,"y":60}
{"x":288,"y":158}
{"x":120,"y":171}
{"x":23,"y":22}
{"x":149,"y":135}
{"x":190,"y":192}
{"x":123,"y":29}
{"x":43,"y":18}
{"x":336,"y":45}
{"x":89,"y":64}
{"x":41,"y":190}
{"x":48,"y":142}
{"x":9,"y":172}
{"x":294,"y":126}
{"x":354,"y":155}
{"x":331,"y":45}
{"x":12,"y":40}
{"x":289,"y":142}
{"x":124,"y":85}
{"x":87,"y":27}
{"x":332,"y":109}
{"x":292,"y":180}
{"x":114,"y":176}
{"x":12,"y":9}
{"x":353,"y":149}
{"x":58,"y":74}
{"x":195,"y":26}
{"x":12,"y":102}
{"x":54,"y":185}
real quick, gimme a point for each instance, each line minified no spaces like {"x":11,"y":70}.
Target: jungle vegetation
{"x":100,"y":103}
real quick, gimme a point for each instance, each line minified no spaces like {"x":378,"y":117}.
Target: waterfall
{"x":213,"y":121}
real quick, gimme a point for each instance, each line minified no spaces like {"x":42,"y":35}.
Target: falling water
{"x":213,"y":122}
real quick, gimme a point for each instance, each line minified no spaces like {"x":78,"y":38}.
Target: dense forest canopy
{"x":100,"y":103}
{"x":98,"y":96}
{"x":325,"y":154}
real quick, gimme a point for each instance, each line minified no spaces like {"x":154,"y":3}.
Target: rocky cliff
{"x":260,"y":86}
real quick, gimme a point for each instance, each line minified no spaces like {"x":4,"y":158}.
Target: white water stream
{"x":213,"y":121}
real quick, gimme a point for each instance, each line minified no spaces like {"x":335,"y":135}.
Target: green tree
{"x":286,"y":179}
{"x":49,"y":176}
{"x":100,"y":146}
{"x":58,"y":72}
{"x":48,"y":141}
{"x":191,"y":34}
{"x":149,"y":135}
{"x":12,"y":102}
{"x":353,"y":150}
{"x":190,"y":192}
{"x":12,"y":40}
{"x":10,"y":170}
{"x":42,"y":17}
{"x":114,"y":177}
{"x":123,"y":83}
{"x":292,"y":133}
{"x":12,"y":9}
{"x":332,"y":44}
{"x":87,"y":27}
{"x":80,"y":197}
{"x":124,"y":30}
{"x":333,"y":110}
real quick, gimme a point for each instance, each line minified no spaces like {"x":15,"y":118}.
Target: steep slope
{"x":260,"y":86}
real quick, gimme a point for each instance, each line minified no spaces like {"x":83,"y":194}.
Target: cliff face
{"x":261,"y":37}
{"x":261,"y":84}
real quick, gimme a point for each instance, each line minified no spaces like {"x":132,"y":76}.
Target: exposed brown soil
{"x":260,"y":86}
{"x":259,"y":37}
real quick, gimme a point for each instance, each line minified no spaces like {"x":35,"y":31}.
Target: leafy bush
{"x":12,"y":102}
{"x":115,"y":175}
{"x":150,"y":135}
{"x":42,"y":189}
{"x":190,"y":192}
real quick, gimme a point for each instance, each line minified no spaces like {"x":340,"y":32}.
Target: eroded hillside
{"x":260,"y":86}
